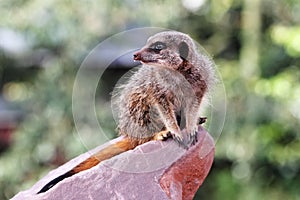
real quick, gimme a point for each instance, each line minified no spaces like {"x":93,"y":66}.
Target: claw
{"x":179,"y":140}
{"x":192,"y":137}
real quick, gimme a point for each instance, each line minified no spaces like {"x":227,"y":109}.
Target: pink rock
{"x":155,"y":170}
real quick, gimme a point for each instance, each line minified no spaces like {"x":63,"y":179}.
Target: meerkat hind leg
{"x":162,"y":135}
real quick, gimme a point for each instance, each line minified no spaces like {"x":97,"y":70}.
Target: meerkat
{"x":160,"y":100}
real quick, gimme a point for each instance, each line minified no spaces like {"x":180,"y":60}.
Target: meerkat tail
{"x":112,"y":150}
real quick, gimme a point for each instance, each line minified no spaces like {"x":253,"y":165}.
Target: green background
{"x":255,"y":45}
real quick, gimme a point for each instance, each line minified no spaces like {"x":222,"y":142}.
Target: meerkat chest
{"x":162,"y":85}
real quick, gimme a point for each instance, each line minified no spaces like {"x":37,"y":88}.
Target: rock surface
{"x":155,"y":170}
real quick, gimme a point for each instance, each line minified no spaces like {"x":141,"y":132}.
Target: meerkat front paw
{"x":192,"y":136}
{"x":163,"y":135}
{"x":178,"y":138}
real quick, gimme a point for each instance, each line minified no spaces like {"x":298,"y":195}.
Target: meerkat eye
{"x":183,"y":50}
{"x":158,"y":46}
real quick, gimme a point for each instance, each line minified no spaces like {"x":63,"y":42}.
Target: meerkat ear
{"x":183,"y":50}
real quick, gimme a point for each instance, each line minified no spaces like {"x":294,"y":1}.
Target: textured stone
{"x":155,"y":170}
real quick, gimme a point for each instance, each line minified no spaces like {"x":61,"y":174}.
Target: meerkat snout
{"x":137,"y":56}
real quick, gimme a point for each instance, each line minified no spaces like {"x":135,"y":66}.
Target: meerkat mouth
{"x":143,"y":60}
{"x":148,"y":61}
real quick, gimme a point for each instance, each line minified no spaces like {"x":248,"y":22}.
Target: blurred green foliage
{"x":255,"y":44}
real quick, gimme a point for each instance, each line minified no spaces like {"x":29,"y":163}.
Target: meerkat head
{"x":166,"y":49}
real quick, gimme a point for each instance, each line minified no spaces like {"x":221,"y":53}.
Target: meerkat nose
{"x":137,"y":56}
